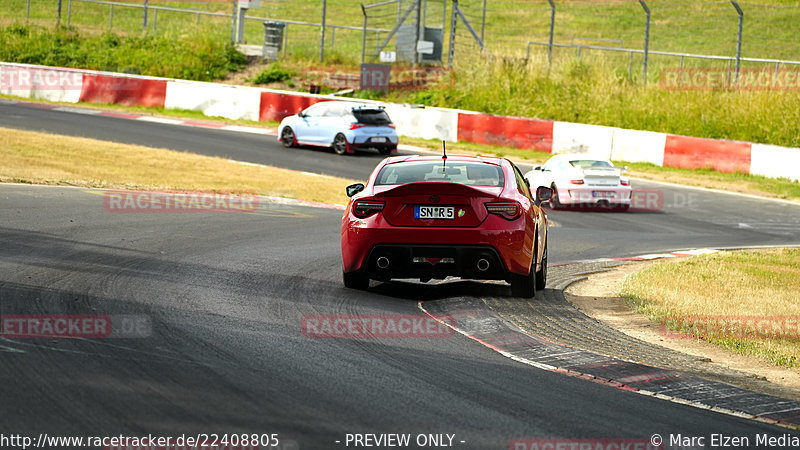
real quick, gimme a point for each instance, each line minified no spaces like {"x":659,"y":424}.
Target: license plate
{"x":434,"y":212}
{"x":378,"y":139}
{"x":603,"y":194}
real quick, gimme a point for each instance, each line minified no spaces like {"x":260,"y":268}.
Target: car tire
{"x":524,"y":285}
{"x":340,"y":145}
{"x":554,"y":202}
{"x":288,"y":138}
{"x":355,"y":280}
{"x":541,"y":276}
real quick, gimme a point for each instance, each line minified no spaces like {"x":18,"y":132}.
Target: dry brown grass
{"x":39,"y":158}
{"x":732,"y":284}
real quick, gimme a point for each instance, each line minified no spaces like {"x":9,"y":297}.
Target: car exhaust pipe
{"x":382,"y":263}
{"x":483,"y":264}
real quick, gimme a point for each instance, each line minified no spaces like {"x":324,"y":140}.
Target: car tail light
{"x":506,"y":210}
{"x":391,"y":125}
{"x":576,"y":181}
{"x":366,"y":208}
{"x":355,"y":125}
{"x":625,"y":182}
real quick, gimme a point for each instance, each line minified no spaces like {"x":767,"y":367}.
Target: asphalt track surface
{"x":226,"y":294}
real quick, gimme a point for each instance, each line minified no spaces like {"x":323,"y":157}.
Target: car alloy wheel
{"x":287,"y":137}
{"x":340,"y":144}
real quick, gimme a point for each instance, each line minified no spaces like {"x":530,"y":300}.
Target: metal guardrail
{"x":198,"y":13}
{"x":144,"y":7}
{"x":632,"y":51}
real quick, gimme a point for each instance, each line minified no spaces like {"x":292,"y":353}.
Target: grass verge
{"x":40,"y":158}
{"x":731,"y":299}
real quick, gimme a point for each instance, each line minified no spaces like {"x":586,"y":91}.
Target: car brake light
{"x":364,"y":208}
{"x":509,"y":210}
{"x":625,"y":182}
{"x":576,"y":181}
{"x":391,"y":125}
{"x":355,"y":125}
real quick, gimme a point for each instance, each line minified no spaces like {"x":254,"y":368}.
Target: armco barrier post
{"x":552,"y":27}
{"x":322,"y":32}
{"x":452,"y":34}
{"x":646,"y":40}
{"x":233,"y":21}
{"x":739,"y":38}
{"x":144,"y":20}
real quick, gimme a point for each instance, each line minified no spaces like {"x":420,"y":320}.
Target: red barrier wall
{"x":506,"y":131}
{"x":123,"y":90}
{"x":277,"y":106}
{"x":699,"y":153}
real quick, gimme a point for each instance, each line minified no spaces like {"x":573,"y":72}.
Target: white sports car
{"x":580,"y":180}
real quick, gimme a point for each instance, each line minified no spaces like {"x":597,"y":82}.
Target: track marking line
{"x":603,"y":381}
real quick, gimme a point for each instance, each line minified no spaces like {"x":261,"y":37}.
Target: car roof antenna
{"x":444,"y":156}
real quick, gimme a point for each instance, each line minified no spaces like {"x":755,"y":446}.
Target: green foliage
{"x":193,"y":58}
{"x":592,"y":90}
{"x":272,"y":74}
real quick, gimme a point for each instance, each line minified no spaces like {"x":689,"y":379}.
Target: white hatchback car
{"x":344,"y":126}
{"x":580,"y":180}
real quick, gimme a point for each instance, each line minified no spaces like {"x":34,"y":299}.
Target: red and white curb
{"x":646,"y":257}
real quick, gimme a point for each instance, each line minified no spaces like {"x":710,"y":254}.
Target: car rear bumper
{"x":593,"y":195}
{"x":506,"y":248}
{"x":435,"y":261}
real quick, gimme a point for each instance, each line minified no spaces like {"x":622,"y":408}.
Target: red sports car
{"x":431,"y":217}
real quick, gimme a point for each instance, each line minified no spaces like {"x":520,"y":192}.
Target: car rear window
{"x":467,"y":173}
{"x":372,"y":116}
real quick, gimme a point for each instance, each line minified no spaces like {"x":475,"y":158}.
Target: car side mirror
{"x":537,"y":168}
{"x":354,"y":189}
{"x":302,"y":115}
{"x":543,"y":195}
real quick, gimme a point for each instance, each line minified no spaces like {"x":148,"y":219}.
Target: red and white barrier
{"x":775,"y":162}
{"x":237,"y":102}
{"x":506,"y":131}
{"x":41,"y":83}
{"x":699,"y":153}
{"x":424,"y":123}
{"x":591,"y":140}
{"x":122,"y":90}
{"x":638,"y":146}
{"x":214,"y":100}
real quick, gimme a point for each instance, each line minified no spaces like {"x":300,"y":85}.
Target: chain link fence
{"x":682,"y":34}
